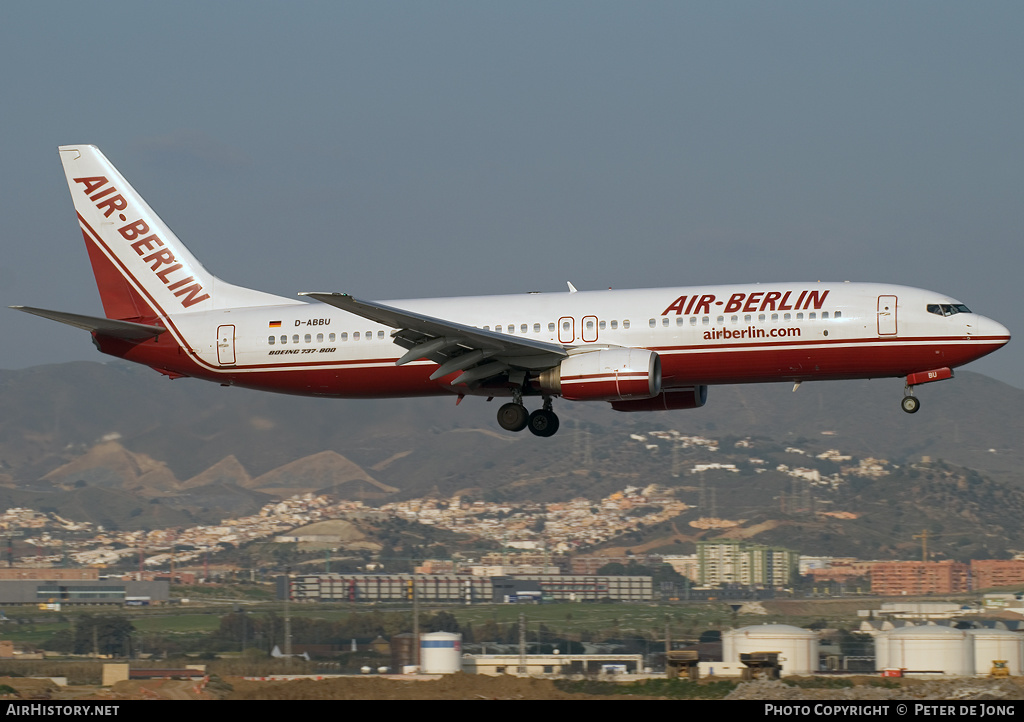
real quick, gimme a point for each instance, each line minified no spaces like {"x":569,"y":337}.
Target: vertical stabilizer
{"x":141,"y":268}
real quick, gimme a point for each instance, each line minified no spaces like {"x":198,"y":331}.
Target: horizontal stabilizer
{"x":104,"y":326}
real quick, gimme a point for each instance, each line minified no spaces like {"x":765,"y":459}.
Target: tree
{"x":102,"y":634}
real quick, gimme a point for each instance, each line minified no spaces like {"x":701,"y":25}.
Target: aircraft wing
{"x":127,"y":330}
{"x":479,"y":354}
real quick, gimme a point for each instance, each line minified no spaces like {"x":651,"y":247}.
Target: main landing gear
{"x":513,"y":416}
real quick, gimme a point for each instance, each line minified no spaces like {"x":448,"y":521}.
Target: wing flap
{"x":531,"y":353}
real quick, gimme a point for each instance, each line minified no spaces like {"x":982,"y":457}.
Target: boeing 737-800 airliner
{"x":640,"y":350}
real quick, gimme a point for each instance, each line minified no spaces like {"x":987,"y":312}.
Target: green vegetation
{"x":670,"y":688}
{"x":818,"y":682}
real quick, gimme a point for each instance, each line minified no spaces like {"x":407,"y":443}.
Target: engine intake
{"x":618,"y":374}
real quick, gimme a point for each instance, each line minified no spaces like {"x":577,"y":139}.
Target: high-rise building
{"x":731,"y":561}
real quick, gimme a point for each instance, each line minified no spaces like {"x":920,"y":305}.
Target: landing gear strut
{"x":910,"y":404}
{"x":513,"y":416}
{"x":543,"y":422}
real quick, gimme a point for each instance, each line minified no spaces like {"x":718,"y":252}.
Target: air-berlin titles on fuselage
{"x":161,"y":261}
{"x":748,"y":302}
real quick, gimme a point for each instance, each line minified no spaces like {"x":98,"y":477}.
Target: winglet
{"x":572,"y":288}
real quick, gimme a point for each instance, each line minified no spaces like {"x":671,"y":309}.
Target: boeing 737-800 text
{"x":640,"y":350}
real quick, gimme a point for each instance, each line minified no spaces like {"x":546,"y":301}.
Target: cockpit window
{"x":947,"y":309}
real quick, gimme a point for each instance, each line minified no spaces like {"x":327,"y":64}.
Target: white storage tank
{"x":797,"y":648}
{"x":992,"y":644}
{"x":440,"y":653}
{"x":926,"y":649}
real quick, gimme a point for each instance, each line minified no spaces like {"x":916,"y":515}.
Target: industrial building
{"x":465,"y":589}
{"x":796,"y":649}
{"x":950,"y":651}
{"x":542,"y":665}
{"x":91,"y":591}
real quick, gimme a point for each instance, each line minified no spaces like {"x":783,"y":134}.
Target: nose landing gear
{"x":911,"y":404}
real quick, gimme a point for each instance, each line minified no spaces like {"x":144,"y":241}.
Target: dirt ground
{"x":471,"y":686}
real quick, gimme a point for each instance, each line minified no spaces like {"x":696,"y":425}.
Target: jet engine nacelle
{"x":690,"y":397}
{"x":617,"y":374}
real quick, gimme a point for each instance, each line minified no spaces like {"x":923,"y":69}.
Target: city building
{"x":911,"y":578}
{"x":987,"y":573}
{"x":730,"y":561}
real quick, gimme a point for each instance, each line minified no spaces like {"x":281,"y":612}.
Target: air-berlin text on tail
{"x":161,"y":260}
{"x":748,"y":302}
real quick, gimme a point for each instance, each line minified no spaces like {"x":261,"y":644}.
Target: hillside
{"x":192,"y":450}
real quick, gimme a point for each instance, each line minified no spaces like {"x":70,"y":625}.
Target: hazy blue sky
{"x":402,"y":149}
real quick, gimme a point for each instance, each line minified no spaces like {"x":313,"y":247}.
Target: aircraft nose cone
{"x":991,"y":330}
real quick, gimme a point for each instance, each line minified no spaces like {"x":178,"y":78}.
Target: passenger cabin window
{"x":625,"y":323}
{"x":331,"y":338}
{"x":551,"y":327}
{"x":295,"y":338}
{"x":308,"y":338}
{"x":653,"y":323}
{"x":523,"y":328}
{"x":271,"y":340}
{"x":536,"y":328}
{"x":615,"y":325}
